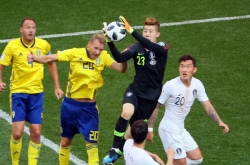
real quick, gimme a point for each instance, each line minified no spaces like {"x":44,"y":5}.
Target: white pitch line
{"x":140,"y":27}
{"x":44,"y":140}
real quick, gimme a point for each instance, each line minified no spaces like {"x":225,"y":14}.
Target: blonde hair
{"x":100,"y":37}
{"x":152,"y":21}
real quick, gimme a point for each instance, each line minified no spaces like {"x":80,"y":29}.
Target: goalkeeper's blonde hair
{"x":152,"y":21}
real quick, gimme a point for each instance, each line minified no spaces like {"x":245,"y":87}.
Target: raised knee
{"x":126,"y":114}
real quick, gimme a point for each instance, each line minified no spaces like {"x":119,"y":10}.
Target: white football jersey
{"x":136,"y":156}
{"x":178,"y":100}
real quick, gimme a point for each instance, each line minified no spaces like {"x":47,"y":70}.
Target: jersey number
{"x":180,"y":101}
{"x":93,"y":135}
{"x":141,"y":60}
{"x":88,"y":65}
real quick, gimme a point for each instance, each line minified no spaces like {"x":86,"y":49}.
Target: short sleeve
{"x":6,"y":56}
{"x":202,"y":96}
{"x":108,"y":59}
{"x":166,"y":93}
{"x":48,"y":48}
{"x":65,"y":55}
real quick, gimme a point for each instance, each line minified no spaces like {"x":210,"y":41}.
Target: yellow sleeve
{"x":48,"y":48}
{"x":109,"y":60}
{"x":66,"y":55}
{"x":6,"y":57}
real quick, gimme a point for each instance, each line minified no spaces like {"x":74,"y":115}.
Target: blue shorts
{"x":27,"y":107}
{"x":79,"y":117}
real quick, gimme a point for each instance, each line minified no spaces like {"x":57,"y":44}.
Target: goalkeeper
{"x":140,"y":97}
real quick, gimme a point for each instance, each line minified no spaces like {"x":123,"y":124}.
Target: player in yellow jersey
{"x":26,"y":89}
{"x":79,"y":113}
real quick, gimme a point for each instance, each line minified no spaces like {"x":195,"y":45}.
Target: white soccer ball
{"x":115,"y":31}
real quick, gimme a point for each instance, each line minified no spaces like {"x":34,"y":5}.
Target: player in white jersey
{"x":134,"y":153}
{"x":178,"y":95}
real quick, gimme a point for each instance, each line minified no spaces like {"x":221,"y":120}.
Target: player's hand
{"x":126,"y":25}
{"x":150,"y":137}
{"x":158,"y":159}
{"x":2,"y":86}
{"x":30,"y":57}
{"x":224,"y":127}
{"x":104,"y":29}
{"x":59,"y":93}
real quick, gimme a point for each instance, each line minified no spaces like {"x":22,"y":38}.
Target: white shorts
{"x":181,"y":143}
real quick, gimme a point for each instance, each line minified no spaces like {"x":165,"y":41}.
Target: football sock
{"x":92,"y":150}
{"x":120,"y":151}
{"x":119,"y":131}
{"x":15,"y":150}
{"x":193,"y":162}
{"x":64,"y":153}
{"x":33,"y":153}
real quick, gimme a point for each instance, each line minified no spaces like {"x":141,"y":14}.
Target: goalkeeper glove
{"x":126,"y":25}
{"x":104,"y":28}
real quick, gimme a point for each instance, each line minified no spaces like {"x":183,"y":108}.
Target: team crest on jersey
{"x":98,"y":61}
{"x":178,"y":151}
{"x":195,"y":93}
{"x":128,"y":94}
{"x":152,"y":58}
{"x":1,"y":57}
{"x":38,"y":52}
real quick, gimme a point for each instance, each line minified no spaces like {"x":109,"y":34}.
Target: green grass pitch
{"x":221,"y":49}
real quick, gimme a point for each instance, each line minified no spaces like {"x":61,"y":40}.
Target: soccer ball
{"x":115,"y":31}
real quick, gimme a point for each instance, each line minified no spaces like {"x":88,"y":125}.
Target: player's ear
{"x":195,"y":69}
{"x":158,"y":34}
{"x":89,"y":44}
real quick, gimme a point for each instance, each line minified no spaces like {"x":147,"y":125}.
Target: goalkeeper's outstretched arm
{"x":120,"y":57}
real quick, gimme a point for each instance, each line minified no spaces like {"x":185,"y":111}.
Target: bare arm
{"x":214,"y":115}
{"x":54,"y":74}
{"x":154,"y":115}
{"x":170,"y":154}
{"x":42,"y":59}
{"x":151,"y":122}
{"x":156,"y":158}
{"x":2,"y":84}
{"x":120,"y":67}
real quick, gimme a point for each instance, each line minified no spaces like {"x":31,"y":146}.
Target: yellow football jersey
{"x":85,"y":74}
{"x":26,"y":77}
